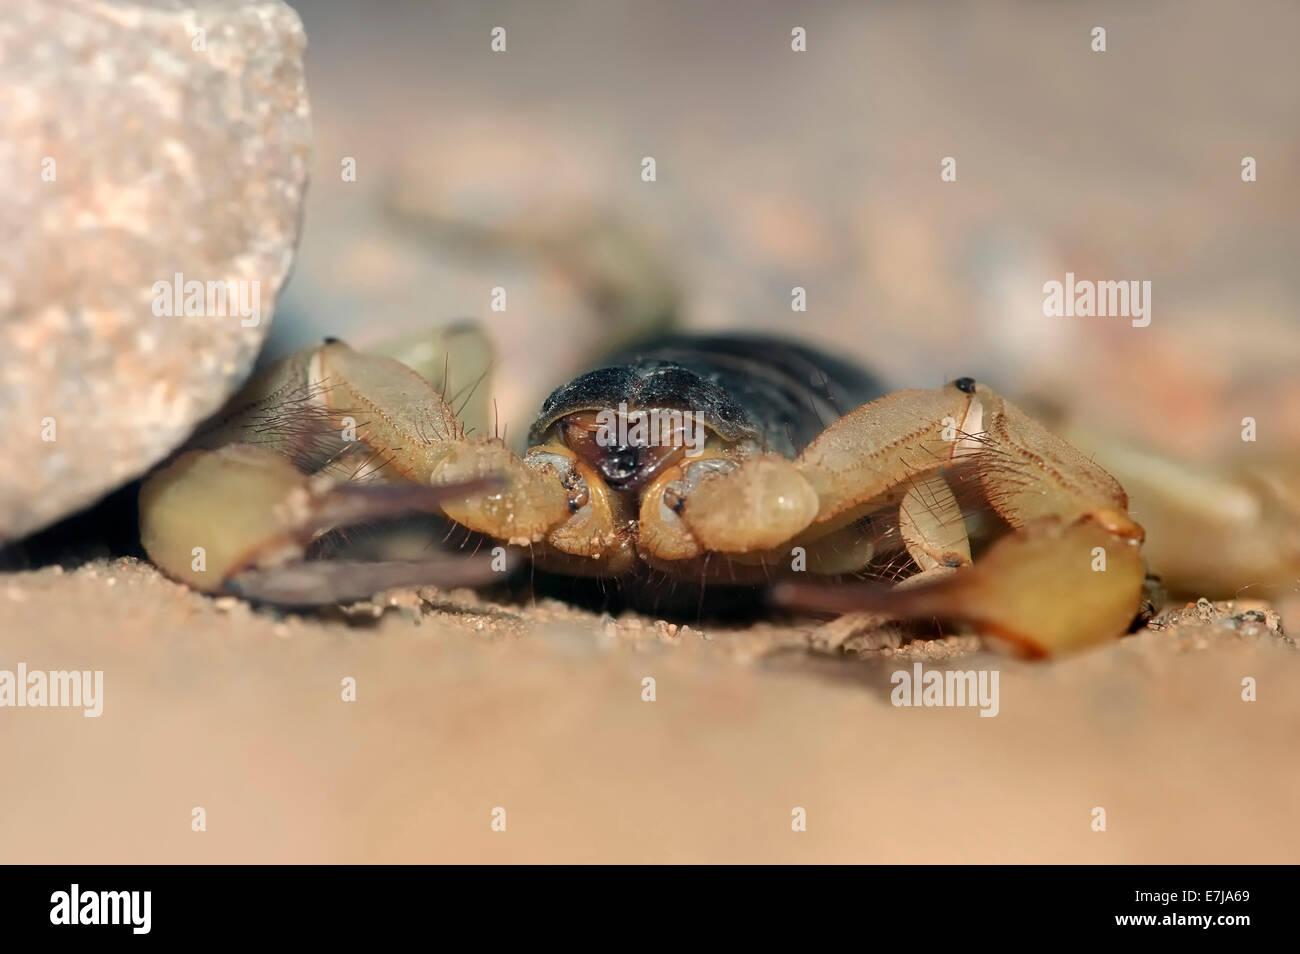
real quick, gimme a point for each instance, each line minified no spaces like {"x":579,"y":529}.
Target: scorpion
{"x":777,"y":466}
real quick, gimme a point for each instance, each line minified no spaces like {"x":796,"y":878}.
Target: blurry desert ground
{"x":774,"y":169}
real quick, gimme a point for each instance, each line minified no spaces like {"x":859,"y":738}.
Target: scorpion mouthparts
{"x":623,"y":466}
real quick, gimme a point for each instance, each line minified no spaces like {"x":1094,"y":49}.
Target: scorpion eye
{"x":966,"y":385}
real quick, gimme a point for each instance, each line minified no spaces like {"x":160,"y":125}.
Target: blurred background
{"x":522,"y":169}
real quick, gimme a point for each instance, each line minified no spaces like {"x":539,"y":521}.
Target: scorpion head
{"x":634,"y":440}
{"x":624,"y":435}
{"x":630,"y":423}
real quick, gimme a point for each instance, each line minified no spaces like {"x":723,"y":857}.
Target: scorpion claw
{"x":347,"y":504}
{"x":209,"y":516}
{"x":1050,"y":589}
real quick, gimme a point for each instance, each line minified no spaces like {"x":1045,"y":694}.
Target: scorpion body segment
{"x":753,"y":389}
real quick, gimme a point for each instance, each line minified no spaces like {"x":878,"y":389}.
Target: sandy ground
{"x":465,"y":706}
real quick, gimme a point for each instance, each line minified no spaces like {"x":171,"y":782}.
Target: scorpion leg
{"x":406,"y":421}
{"x":765,"y":501}
{"x":930,"y":523}
{"x":246,"y":513}
{"x":457,"y":359}
{"x":270,"y":473}
{"x":1040,"y":590}
{"x":1071,"y":573}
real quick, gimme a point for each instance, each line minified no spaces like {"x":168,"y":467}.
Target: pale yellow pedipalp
{"x":256,"y":414}
{"x":843,"y":550}
{"x":887,"y":442}
{"x":396,"y":412}
{"x":208,"y":514}
{"x":1070,"y":576}
{"x":1028,"y":473}
{"x":456,"y":359}
{"x":532,"y":503}
{"x":1211,"y":531}
{"x":1052,"y":588}
{"x":406,"y":421}
{"x":762,"y":503}
{"x":930,"y":523}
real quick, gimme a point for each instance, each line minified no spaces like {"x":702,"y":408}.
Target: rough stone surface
{"x":138,"y":140}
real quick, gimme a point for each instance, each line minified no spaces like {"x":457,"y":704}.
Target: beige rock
{"x":139,"y":141}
